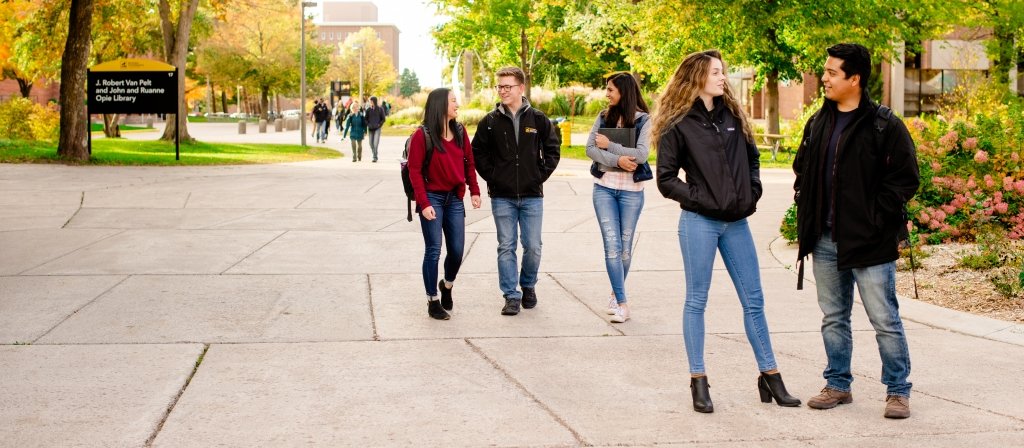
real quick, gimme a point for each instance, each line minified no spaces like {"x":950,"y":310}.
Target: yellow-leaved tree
{"x":379,"y":73}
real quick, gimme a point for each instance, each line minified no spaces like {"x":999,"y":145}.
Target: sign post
{"x":133,"y":86}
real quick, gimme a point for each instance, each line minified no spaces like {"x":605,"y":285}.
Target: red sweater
{"x":447,"y":171}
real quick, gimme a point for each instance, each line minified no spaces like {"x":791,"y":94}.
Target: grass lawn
{"x":97,"y":127}
{"x":135,"y":152}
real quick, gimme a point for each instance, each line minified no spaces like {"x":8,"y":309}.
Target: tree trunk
{"x":25,"y":86}
{"x":223,"y":101}
{"x":111,"y":128}
{"x":524,"y":54}
{"x":773,"y":101}
{"x":264,"y":101}
{"x":175,"y":51}
{"x":73,"y":120}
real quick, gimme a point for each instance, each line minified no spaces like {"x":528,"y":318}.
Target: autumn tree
{"x":379,"y":73}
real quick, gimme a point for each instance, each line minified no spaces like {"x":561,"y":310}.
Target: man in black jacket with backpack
{"x":855,"y":171}
{"x":516,"y":148}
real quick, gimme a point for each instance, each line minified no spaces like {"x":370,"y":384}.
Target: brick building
{"x":343,"y":18}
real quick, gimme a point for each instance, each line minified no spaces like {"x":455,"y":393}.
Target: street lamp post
{"x":360,"y":48}
{"x":302,"y":73}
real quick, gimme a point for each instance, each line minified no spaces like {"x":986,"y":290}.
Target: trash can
{"x":241,"y":127}
{"x":566,"y":128}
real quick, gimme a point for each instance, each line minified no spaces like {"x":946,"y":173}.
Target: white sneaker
{"x":613,"y":305}
{"x":621,"y":315}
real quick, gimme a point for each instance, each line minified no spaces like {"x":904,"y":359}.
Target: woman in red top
{"x":439,"y":193}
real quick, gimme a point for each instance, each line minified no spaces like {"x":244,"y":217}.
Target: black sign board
{"x":133,"y":92}
{"x":132,"y":86}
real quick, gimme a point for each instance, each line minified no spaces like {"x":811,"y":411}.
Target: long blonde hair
{"x":684,"y":88}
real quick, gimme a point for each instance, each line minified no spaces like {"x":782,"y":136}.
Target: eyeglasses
{"x":504,"y":88}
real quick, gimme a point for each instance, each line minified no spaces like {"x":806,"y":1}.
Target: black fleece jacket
{"x":723,"y":179}
{"x":516,"y":167}
{"x":875,"y":174}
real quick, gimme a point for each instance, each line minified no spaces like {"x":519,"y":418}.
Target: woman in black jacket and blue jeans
{"x":701,"y":129}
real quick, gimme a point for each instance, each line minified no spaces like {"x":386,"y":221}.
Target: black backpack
{"x":406,"y":183}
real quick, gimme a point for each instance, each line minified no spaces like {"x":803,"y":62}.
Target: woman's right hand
{"x":627,"y":163}
{"x":428,"y":213}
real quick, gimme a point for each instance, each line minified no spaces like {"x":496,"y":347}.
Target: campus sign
{"x":133,"y":86}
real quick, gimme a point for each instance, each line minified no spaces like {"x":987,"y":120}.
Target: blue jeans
{"x":617,"y":214}
{"x":877,"y":287}
{"x":374,"y":141}
{"x":451,"y":220}
{"x":323,"y":127}
{"x":699,"y":238}
{"x":512,"y":216}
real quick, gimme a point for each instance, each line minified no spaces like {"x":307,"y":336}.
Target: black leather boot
{"x":701,"y":397}
{"x":435,"y":310}
{"x":771,"y":386}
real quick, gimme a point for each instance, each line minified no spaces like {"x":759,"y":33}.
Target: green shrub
{"x":471,"y":117}
{"x":788,"y":227}
{"x":45,"y":123}
{"x":16,"y":119}
{"x":595,"y":106}
{"x":412,"y":115}
{"x":1009,"y":281}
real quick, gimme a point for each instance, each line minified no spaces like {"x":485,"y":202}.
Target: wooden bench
{"x":770,"y":142}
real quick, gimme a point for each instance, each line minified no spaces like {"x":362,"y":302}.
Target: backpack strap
{"x":882,"y":117}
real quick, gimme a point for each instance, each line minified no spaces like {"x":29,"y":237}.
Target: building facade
{"x":340,"y":19}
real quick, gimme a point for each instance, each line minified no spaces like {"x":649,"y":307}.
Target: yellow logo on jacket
{"x":530,"y":130}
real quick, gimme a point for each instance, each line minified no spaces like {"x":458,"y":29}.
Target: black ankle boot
{"x":771,"y":386}
{"x":701,"y":397}
{"x":435,"y":310}
{"x":446,"y":296}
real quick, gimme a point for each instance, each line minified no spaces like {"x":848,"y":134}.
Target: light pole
{"x":359,"y":47}
{"x":302,"y":74}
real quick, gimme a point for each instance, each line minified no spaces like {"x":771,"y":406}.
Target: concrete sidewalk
{"x":282,"y":305}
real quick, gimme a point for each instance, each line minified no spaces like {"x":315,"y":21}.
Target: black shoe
{"x":701,"y":397}
{"x":771,"y":386}
{"x":529,"y":297}
{"x":511,"y":307}
{"x":446,"y":296}
{"x":434,"y":310}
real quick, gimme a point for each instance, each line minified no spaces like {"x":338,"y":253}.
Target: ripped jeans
{"x":617,"y":214}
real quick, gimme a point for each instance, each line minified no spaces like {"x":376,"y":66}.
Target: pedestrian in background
{"x":375,"y":118}
{"x":355,"y":127}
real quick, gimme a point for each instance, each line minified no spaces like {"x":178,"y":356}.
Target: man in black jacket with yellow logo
{"x":855,"y":171}
{"x":516,"y":148}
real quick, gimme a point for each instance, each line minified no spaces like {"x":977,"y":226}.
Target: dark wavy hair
{"x":856,"y":61}
{"x":435,"y":116}
{"x":630,"y":101}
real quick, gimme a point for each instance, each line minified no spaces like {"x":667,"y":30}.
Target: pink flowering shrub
{"x":972,"y":175}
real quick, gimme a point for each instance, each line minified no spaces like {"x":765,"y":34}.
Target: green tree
{"x":379,"y":73}
{"x":408,"y":83}
{"x":254,"y":45}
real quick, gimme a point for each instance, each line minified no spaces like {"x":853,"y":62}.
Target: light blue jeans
{"x":374,"y":141}
{"x":700,"y":238}
{"x":617,"y":214}
{"x":877,"y":287}
{"x":323,"y":127}
{"x":512,"y":217}
{"x":450,"y":221}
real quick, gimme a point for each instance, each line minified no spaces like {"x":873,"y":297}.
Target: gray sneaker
{"x":511,"y":307}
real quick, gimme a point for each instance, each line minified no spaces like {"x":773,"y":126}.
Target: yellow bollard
{"x":566,"y":128}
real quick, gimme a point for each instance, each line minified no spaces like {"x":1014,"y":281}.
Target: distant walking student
{"x":355,"y":127}
{"x":375,"y":117}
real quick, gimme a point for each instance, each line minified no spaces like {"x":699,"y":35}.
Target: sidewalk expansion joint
{"x":373,"y":316}
{"x":94,"y":299}
{"x":253,"y":252}
{"x":303,"y":201}
{"x":174,"y":402}
{"x":594,"y":312}
{"x":522,"y":388}
{"x":81,"y":200}
{"x":116,"y":233}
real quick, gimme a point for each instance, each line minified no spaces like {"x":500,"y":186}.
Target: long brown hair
{"x":684,"y":88}
{"x":630,"y":101}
